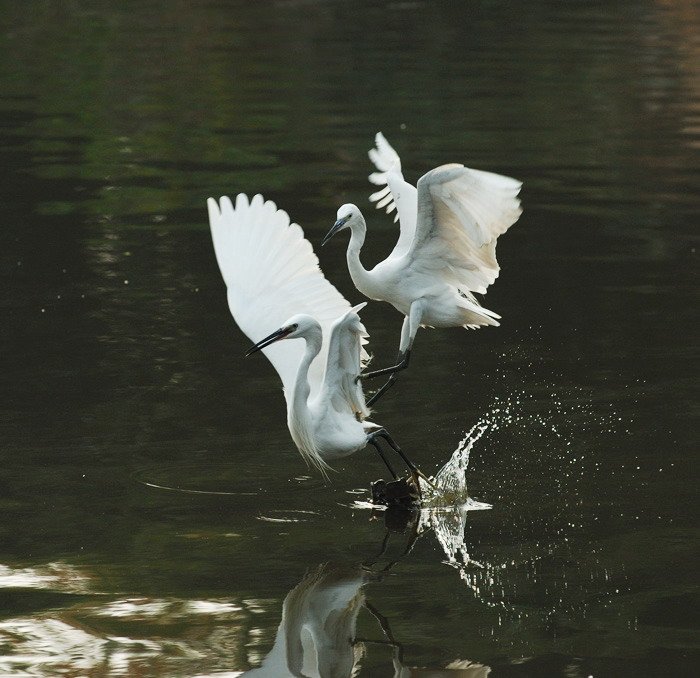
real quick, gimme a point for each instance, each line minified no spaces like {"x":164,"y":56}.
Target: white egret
{"x":446,"y":249}
{"x":316,"y":636}
{"x":274,"y":281}
{"x":317,"y":633}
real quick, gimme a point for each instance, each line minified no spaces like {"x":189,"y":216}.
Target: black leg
{"x":383,"y":433}
{"x":401,"y":364}
{"x":374,"y":442}
{"x":415,"y":471}
{"x":383,"y":389}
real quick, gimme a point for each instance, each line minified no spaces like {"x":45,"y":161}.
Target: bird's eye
{"x":293,"y":327}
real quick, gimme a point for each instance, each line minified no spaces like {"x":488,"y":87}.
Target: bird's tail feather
{"x":475,"y":315}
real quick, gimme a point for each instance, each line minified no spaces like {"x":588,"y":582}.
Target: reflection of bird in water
{"x":316,"y":636}
{"x":274,"y":281}
{"x":446,"y":249}
{"x":456,"y":669}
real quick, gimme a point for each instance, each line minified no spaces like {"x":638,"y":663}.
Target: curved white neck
{"x":299,"y":402}
{"x":299,"y":418}
{"x":358,"y":273}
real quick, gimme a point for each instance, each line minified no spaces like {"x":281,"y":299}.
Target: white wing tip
{"x":383,"y":156}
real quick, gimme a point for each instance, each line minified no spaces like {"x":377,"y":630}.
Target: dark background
{"x":121,"y":371}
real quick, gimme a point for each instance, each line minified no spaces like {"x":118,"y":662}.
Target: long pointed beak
{"x":271,"y":339}
{"x":336,"y":227}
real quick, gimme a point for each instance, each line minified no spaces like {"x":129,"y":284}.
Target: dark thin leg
{"x":368,"y":563}
{"x":409,"y":547}
{"x":373,"y":441}
{"x":415,"y":471}
{"x":383,"y":389}
{"x":394,"y":371}
{"x":402,"y":364}
{"x":383,"y":433}
{"x":383,"y":622}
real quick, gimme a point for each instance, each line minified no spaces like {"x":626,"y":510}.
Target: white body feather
{"x":271,"y":273}
{"x":446,"y":249}
{"x":319,"y":617}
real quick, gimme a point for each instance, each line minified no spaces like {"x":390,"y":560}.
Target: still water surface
{"x":156,"y":519}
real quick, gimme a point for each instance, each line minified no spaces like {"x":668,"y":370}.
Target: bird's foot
{"x":418,"y":473}
{"x":401,"y":492}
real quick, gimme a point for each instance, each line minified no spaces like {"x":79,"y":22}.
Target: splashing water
{"x":450,"y":482}
{"x":446,"y":505}
{"x":553,"y":426}
{"x":451,"y":479}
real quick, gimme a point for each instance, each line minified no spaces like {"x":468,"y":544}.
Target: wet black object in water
{"x":401,"y":492}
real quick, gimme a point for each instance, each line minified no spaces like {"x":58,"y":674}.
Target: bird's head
{"x":347,"y":216}
{"x":296,"y":327}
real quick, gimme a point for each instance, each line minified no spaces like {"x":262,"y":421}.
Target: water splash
{"x":445,"y":506}
{"x":451,"y":479}
{"x":526,"y":433}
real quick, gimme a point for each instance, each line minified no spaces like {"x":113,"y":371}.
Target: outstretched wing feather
{"x":346,"y":356}
{"x":461,"y":213}
{"x":271,"y":273}
{"x":397,"y":193}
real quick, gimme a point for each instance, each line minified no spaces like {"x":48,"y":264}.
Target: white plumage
{"x":277,"y":291}
{"x":316,"y":636}
{"x":274,"y":281}
{"x":272,"y":273}
{"x":446,"y":248}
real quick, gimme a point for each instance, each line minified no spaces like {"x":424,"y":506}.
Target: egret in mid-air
{"x":446,"y":251}
{"x":277,"y":293}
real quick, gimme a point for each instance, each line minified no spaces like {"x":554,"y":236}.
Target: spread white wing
{"x":271,"y":274}
{"x":346,"y":357}
{"x":451,"y":222}
{"x":461,"y":213}
{"x":397,"y":193}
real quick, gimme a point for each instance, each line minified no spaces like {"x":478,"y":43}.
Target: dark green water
{"x":122,"y":373}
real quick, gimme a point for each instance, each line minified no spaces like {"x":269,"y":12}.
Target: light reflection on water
{"x":54,"y":576}
{"x":123,"y":637}
{"x":155,"y":516}
{"x":221,"y":479}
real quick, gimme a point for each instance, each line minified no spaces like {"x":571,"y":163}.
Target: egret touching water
{"x":446,"y":249}
{"x":274,"y":283}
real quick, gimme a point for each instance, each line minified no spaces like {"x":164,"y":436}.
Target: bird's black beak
{"x":336,"y":227}
{"x":271,"y":339}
